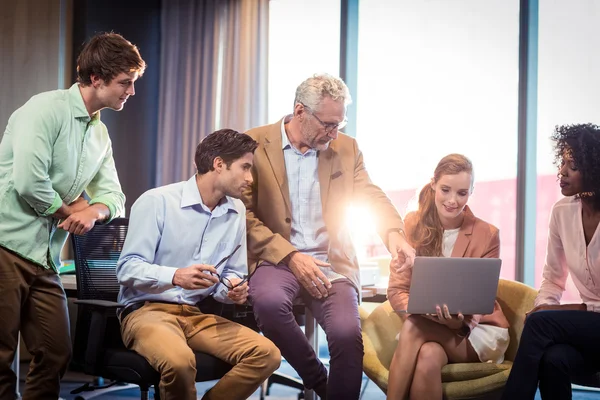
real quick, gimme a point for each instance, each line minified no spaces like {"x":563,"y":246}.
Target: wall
{"x":134,"y":129}
{"x":34,"y":51}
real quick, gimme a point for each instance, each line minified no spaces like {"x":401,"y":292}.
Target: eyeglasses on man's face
{"x":328,"y":126}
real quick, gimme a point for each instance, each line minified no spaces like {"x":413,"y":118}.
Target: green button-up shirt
{"x":51,"y":152}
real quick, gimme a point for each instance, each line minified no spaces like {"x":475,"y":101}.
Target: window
{"x":568,"y":87}
{"x":438,"y":77}
{"x":304,"y":38}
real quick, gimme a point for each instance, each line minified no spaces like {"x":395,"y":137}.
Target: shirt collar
{"x":78,"y":106}
{"x":285,"y":142}
{"x":191,"y":197}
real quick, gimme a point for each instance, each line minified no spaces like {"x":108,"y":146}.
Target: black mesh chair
{"x":98,"y":349}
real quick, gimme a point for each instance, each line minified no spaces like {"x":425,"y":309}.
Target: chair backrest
{"x":96,"y":255}
{"x":516,"y":299}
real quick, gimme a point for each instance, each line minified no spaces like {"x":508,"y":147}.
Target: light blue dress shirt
{"x":171,"y":228}
{"x":308,"y":231}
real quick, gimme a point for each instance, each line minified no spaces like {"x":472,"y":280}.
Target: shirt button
{"x":288,"y":220}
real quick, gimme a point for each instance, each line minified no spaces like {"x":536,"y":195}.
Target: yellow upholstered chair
{"x":460,"y":381}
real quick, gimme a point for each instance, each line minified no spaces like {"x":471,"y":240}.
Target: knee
{"x":180,"y":365}
{"x":268,"y":356}
{"x":429,"y":360}
{"x":553,"y":360}
{"x":346,"y":338}
{"x":58,"y":354}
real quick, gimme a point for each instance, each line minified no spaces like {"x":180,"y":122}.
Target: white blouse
{"x":567,"y":254}
{"x":449,"y":241}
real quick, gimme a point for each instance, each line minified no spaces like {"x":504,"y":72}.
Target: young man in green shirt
{"x":54,"y":148}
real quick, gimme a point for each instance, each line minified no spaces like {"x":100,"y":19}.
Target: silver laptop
{"x":466,"y":285}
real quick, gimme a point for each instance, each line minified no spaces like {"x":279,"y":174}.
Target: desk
{"x":375,"y":293}
{"x":69,"y":284}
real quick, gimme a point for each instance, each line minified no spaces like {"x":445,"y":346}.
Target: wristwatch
{"x":399,"y":230}
{"x":463,"y":331}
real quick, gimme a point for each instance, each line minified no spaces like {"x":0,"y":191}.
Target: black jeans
{"x":556,"y":345}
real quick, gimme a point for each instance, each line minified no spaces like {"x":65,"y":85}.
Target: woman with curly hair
{"x":443,"y":226}
{"x":560,"y":341}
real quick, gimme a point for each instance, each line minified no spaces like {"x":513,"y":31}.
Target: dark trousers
{"x":555,"y":347}
{"x":273,"y":290}
{"x":33,"y":301}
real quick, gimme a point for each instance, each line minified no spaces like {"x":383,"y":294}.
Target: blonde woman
{"x":444,"y":226}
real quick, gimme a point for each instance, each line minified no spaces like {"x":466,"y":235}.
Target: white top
{"x":567,"y":254}
{"x":449,"y":241}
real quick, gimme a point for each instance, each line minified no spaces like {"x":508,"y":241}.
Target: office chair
{"x":98,"y":349}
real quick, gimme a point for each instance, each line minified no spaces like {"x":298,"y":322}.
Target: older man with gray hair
{"x":306,"y":173}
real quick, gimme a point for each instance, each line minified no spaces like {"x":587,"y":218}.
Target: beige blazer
{"x":343,"y":180}
{"x":476,"y":239}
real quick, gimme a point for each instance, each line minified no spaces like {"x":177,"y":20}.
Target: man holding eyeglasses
{"x":306,"y":173}
{"x":187,"y":242}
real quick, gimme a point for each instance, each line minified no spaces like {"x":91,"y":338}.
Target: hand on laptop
{"x":443,"y":317}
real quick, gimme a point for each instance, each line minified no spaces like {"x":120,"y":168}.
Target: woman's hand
{"x":443,"y":317}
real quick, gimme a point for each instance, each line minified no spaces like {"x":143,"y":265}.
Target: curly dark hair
{"x":583,"y":143}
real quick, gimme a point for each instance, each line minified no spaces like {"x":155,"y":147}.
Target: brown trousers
{"x":32,"y":300}
{"x":167,"y":334}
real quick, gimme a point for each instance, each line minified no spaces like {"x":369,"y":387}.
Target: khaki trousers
{"x":168,"y":334}
{"x":33,"y":301}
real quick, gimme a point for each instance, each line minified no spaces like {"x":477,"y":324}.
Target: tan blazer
{"x":343,"y":180}
{"x":476,"y":239}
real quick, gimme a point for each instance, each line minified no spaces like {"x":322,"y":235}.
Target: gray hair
{"x":313,"y":90}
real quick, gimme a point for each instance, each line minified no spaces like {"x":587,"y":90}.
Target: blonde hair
{"x":313,"y":90}
{"x":428,"y":233}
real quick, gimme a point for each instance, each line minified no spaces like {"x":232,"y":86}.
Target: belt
{"x":207,"y":305}
{"x":129,"y":309}
{"x":136,"y":306}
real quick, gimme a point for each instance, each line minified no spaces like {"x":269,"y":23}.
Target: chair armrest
{"x":100,"y":304}
{"x":100,"y":311}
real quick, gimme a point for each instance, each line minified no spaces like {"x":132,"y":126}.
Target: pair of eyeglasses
{"x":228,"y":284}
{"x":328,"y":126}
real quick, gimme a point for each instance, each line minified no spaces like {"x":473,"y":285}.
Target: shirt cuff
{"x":593,"y":307}
{"x":56,"y":204}
{"x":165,"y":277}
{"x":111,"y":208}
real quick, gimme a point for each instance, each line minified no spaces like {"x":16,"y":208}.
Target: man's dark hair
{"x":582,"y":141}
{"x":225,"y":143}
{"x":106,"y":55}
